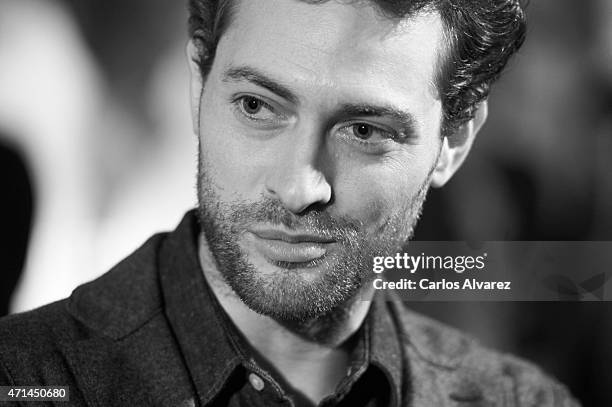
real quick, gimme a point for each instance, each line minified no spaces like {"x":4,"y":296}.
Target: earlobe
{"x":196,"y":84}
{"x":452,"y":156}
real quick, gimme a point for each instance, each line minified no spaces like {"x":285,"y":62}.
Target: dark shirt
{"x":150,"y":332}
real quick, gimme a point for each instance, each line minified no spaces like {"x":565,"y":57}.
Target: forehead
{"x":336,"y":45}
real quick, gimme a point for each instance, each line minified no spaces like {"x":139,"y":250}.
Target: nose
{"x":297,"y":179}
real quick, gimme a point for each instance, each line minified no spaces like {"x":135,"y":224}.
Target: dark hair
{"x":482,"y":35}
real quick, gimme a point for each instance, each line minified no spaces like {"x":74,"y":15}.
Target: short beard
{"x":283,"y":294}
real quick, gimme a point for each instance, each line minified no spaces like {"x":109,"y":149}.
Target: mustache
{"x":314,"y":220}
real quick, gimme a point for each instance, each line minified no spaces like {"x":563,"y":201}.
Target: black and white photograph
{"x":300,"y":203}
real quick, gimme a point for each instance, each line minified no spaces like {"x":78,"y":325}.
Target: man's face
{"x":319,"y":130}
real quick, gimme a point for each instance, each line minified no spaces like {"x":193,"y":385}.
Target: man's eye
{"x":366,"y":133}
{"x":251,"y":105}
{"x":363,"y":131}
{"x":257,"y":111}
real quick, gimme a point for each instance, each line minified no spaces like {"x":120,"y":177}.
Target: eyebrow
{"x":245,"y":73}
{"x":347,"y":110}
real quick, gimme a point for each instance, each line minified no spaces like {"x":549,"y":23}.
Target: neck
{"x":315,"y":349}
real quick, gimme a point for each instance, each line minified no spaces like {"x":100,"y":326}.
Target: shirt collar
{"x":384,"y":345}
{"x":189,"y":309}
{"x":197,"y":323}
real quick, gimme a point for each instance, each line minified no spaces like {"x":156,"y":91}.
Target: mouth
{"x":292,"y":249}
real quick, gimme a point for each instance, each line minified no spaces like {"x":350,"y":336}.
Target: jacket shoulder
{"x":531,"y":385}
{"x":33,"y":344}
{"x":472,"y":371}
{"x":124,"y":298}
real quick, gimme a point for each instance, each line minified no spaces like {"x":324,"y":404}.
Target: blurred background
{"x":97,"y":154}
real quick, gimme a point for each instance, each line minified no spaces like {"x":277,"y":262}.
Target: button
{"x":256,"y":382}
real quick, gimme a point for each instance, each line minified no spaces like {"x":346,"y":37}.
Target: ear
{"x":197,"y":84}
{"x":452,"y":155}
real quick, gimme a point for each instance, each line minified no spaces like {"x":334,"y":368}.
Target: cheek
{"x":373,"y":193}
{"x":226,"y":160}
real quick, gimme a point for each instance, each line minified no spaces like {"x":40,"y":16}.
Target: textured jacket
{"x":149,"y":332}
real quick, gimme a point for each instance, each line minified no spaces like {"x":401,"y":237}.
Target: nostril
{"x":299,"y":188}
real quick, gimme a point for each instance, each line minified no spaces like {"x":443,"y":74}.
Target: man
{"x":321,"y":126}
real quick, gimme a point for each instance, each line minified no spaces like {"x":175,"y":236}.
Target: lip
{"x":290,"y":237}
{"x":280,"y":246}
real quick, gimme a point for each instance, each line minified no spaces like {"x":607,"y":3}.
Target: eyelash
{"x":238,"y":101}
{"x":392,"y":135}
